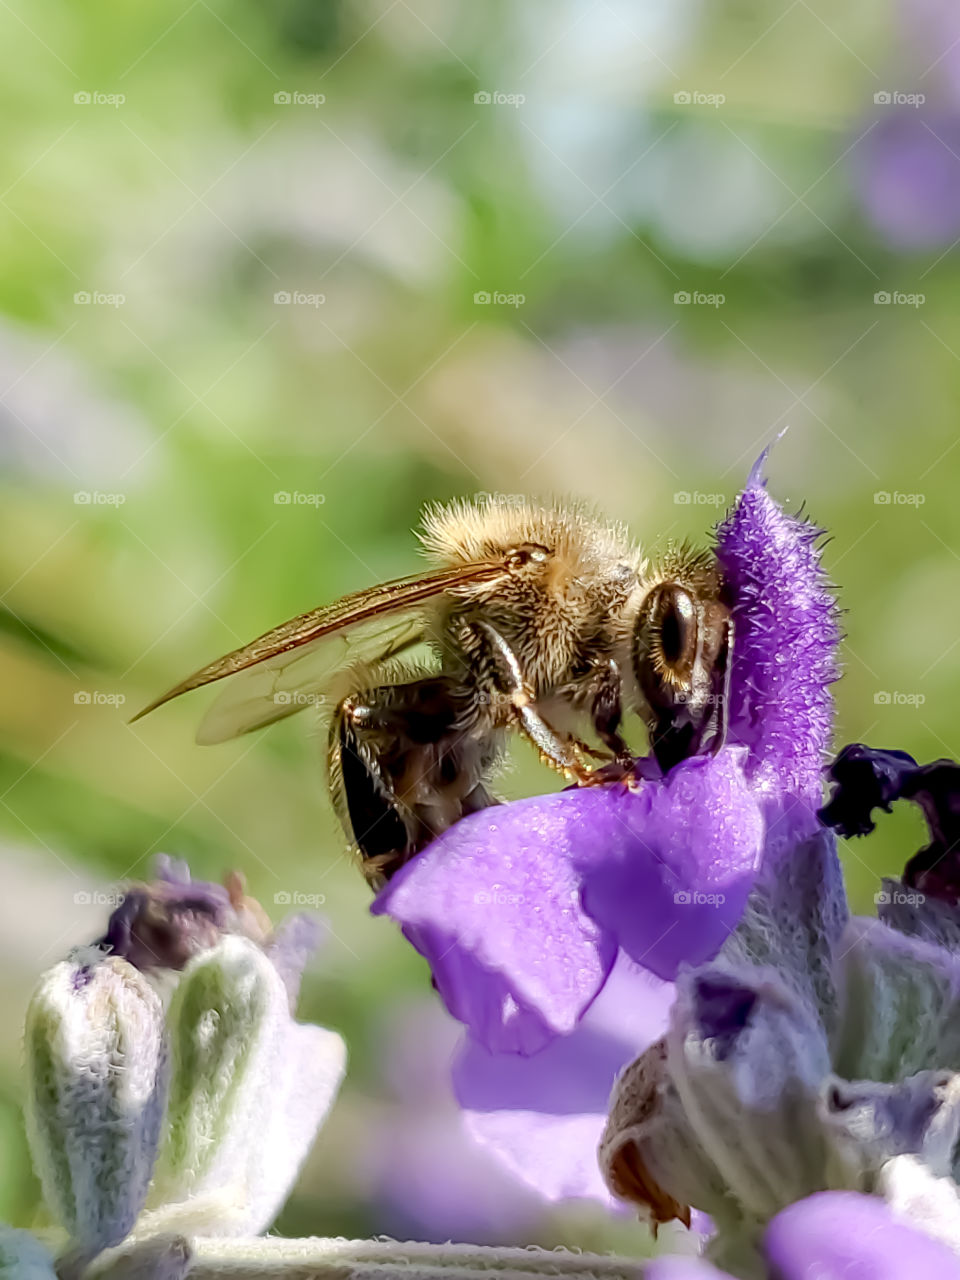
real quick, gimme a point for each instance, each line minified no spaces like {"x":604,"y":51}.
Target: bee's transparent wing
{"x":371,"y":613}
{"x":288,"y":682}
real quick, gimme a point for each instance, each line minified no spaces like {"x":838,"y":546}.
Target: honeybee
{"x":545,"y":619}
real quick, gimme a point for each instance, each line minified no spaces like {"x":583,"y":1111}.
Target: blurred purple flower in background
{"x":555,"y":926}
{"x":908,"y":176}
{"x":429,"y":1179}
{"x":933,"y":28}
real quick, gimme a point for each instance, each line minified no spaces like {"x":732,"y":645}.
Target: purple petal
{"x":544,"y":1115}
{"x":429,"y":1178}
{"x":681,"y":856}
{"x":843,"y":1235}
{"x":784,"y":643}
{"x":290,"y":947}
{"x":520,"y":909}
{"x":494,"y":906}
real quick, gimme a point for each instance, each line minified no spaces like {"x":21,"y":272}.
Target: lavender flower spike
{"x":784,"y":653}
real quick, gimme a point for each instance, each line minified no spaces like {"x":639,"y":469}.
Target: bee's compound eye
{"x":676,"y":618}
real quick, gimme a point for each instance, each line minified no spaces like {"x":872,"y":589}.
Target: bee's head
{"x":679,"y":652}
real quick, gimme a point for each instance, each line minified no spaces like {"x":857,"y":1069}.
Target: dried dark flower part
{"x":164,"y":924}
{"x":866,"y":779}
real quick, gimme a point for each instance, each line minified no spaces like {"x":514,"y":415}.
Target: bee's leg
{"x":724,"y":665}
{"x":562,"y":755}
{"x":606,"y":712}
{"x":364,"y":798}
{"x":403,"y":770}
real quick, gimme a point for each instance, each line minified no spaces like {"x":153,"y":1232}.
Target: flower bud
{"x":96,"y":1066}
{"x":649,"y":1153}
{"x":249,"y":1089}
{"x":747,"y":1059}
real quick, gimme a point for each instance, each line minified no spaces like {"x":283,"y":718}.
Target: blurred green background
{"x":367,"y":255}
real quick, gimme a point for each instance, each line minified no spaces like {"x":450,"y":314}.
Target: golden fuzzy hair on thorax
{"x":466,"y":530}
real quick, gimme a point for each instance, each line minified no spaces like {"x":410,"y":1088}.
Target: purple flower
{"x":815,"y":1051}
{"x":909,"y":177}
{"x":840,"y":1235}
{"x":529,"y":912}
{"x":833,"y":1235}
{"x":522,"y":911}
{"x":784,"y":653}
{"x":543,"y":1115}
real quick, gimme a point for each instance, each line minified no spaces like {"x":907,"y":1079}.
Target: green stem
{"x":273,"y":1258}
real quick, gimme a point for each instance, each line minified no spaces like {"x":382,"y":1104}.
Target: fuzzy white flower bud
{"x":248,"y":1092}
{"x":95,"y":1055}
